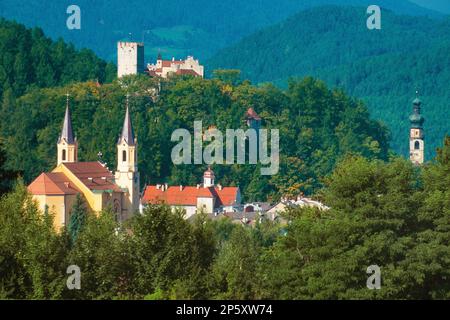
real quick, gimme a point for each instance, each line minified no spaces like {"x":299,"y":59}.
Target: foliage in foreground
{"x":392,"y":214}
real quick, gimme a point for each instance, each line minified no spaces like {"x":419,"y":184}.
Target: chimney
{"x":166,"y":186}
{"x":220,"y":187}
{"x":181,"y":187}
{"x":198,"y":186}
{"x":158,"y":186}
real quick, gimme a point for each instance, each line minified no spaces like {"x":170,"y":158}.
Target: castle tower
{"x":416,"y":136}
{"x":67,"y":145}
{"x":130,"y":58}
{"x":208,"y":178}
{"x":127,"y":175}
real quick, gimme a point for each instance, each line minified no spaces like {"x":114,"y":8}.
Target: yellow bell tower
{"x":67,"y":145}
{"x":127,"y":175}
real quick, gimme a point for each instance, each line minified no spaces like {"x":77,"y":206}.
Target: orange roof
{"x":187,"y":196}
{"x":93,"y":175}
{"x":166,"y":63}
{"x":251,"y":114}
{"x":227,"y":196}
{"x":52,"y":183}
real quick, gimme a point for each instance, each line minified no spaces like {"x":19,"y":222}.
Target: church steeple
{"x":416,"y":135}
{"x":127,"y":175}
{"x":127,"y":128}
{"x":67,"y":132}
{"x":67,"y":145}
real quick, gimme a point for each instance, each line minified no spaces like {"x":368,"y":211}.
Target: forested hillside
{"x":317,"y":127}
{"x":383,"y":67}
{"x":29,"y":59}
{"x":177,"y":27}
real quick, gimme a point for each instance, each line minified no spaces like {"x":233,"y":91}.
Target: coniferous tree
{"x":78,"y":217}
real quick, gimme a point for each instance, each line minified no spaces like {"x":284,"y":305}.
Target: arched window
{"x":124,"y":155}
{"x":417,"y":145}
{"x":64,"y":155}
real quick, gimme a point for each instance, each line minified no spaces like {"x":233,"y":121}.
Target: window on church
{"x":64,"y":155}
{"x":417,"y":145}
{"x":124,"y":155}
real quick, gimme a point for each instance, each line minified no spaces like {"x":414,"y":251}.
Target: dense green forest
{"x":383,"y":67}
{"x":392,"y":215}
{"x":31,"y":60}
{"x":176,"y":28}
{"x":317,"y":127}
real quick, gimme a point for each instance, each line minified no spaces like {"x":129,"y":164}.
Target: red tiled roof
{"x":52,"y":183}
{"x":227,"y":196}
{"x":187,"y":196}
{"x":251,"y":114}
{"x":187,"y":72}
{"x":166,"y":63}
{"x":94,"y":175}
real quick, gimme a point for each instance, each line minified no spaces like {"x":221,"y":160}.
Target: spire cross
{"x":67,"y":98}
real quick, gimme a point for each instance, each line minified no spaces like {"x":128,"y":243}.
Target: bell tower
{"x":416,"y":135}
{"x":67,"y":145}
{"x":208,"y":178}
{"x":127,"y":175}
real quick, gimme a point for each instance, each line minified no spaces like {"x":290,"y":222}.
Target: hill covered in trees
{"x":317,"y":127}
{"x":383,"y":67}
{"x":31,"y":60}
{"x":177,"y":27}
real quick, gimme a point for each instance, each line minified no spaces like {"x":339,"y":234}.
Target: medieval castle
{"x":130,"y":60}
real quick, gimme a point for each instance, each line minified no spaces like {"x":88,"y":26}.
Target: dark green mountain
{"x":29,"y":59}
{"x":383,"y":67}
{"x":177,"y":27}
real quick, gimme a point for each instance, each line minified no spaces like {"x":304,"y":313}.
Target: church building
{"x":57,"y":190}
{"x":416,"y":135}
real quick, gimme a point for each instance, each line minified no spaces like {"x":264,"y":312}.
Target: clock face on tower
{"x":415,"y":133}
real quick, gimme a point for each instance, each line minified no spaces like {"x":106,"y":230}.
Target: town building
{"x":416,"y":134}
{"x":206,"y":197}
{"x":57,"y":190}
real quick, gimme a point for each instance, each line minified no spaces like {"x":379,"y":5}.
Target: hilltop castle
{"x":57,"y":190}
{"x":130,"y":60}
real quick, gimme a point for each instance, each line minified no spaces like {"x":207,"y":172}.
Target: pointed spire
{"x":416,"y":118}
{"x":67,"y":132}
{"x":127,"y":129}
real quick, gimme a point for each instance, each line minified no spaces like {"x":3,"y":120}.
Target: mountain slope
{"x":438,"y":5}
{"x":176,"y":27}
{"x":383,"y":67}
{"x":29,"y":59}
